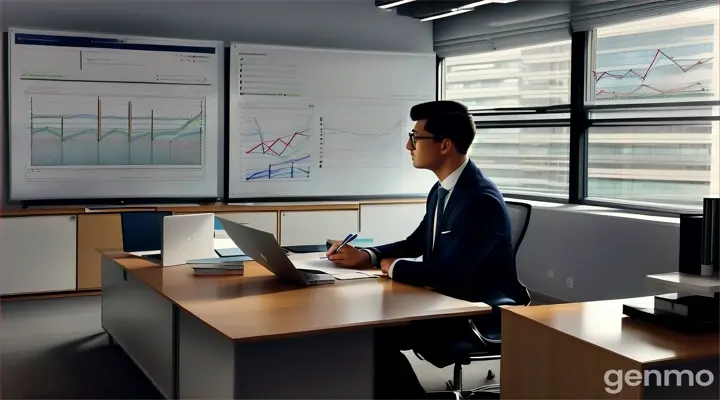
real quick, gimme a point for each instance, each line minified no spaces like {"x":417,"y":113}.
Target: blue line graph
{"x":294,"y":168}
{"x":114,"y":131}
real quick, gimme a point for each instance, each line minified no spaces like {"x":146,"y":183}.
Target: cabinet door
{"x":315,"y":227}
{"x":95,"y":231}
{"x":37,"y":254}
{"x":387,"y":223}
{"x":264,"y":221}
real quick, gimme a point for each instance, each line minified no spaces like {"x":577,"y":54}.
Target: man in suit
{"x":464,"y":240}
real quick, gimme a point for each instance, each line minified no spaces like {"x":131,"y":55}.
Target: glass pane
{"x":530,"y":76}
{"x":664,"y":59}
{"x":524,"y":160}
{"x":664,"y":166}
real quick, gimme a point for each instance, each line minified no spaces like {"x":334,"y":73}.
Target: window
{"x":519,"y":157}
{"x":652,"y":98}
{"x":663,"y":59}
{"x":530,"y":161}
{"x":523,"y":77}
{"x":654,"y":136}
{"x":666,"y":166}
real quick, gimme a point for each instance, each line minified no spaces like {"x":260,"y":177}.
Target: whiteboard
{"x":106,"y":116}
{"x":309,"y":122}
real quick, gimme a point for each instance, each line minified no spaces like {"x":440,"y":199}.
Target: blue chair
{"x":488,"y":343}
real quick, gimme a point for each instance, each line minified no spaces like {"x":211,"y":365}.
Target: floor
{"x":56,"y":349}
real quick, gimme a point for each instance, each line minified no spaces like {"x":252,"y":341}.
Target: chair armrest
{"x":486,"y":341}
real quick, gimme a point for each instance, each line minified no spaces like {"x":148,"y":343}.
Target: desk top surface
{"x":259,"y":306}
{"x":602,"y":323}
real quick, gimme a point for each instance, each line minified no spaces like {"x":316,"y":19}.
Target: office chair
{"x":465,"y":352}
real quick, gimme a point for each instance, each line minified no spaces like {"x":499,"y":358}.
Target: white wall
{"x":349,"y":24}
{"x":607,"y":254}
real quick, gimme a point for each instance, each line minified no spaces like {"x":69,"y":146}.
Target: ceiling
{"x":435,"y":9}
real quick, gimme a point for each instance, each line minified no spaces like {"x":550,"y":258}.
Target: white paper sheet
{"x":145,"y":253}
{"x":323,"y":265}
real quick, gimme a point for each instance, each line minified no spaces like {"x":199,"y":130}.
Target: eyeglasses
{"x":414,"y":138}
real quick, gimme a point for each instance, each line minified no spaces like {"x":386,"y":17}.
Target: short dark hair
{"x":447,"y":119}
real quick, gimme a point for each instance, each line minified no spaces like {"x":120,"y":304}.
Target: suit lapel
{"x":457,"y":195}
{"x":430,"y":222}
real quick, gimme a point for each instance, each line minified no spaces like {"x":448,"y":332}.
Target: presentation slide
{"x":308,"y":122}
{"x":98,"y":116}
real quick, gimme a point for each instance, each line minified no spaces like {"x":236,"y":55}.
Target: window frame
{"x":579,"y":122}
{"x":560,"y":122}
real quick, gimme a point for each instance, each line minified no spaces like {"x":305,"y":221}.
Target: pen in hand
{"x":349,"y":238}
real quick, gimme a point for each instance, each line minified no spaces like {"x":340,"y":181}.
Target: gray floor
{"x":56,"y":349}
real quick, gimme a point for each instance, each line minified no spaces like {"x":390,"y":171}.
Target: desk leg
{"x":140,"y":321}
{"x":337,"y":365}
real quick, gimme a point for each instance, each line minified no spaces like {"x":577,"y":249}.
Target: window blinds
{"x":586,"y":15}
{"x":530,"y":22}
{"x":502,"y":26}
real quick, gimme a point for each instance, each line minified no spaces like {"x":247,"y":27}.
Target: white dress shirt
{"x":448,"y":184}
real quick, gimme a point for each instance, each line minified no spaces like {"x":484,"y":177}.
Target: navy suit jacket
{"x":474,"y":259}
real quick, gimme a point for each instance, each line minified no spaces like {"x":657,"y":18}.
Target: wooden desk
{"x":255,"y":336}
{"x":564,"y":352}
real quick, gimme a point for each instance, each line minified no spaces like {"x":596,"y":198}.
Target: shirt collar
{"x":449,"y":182}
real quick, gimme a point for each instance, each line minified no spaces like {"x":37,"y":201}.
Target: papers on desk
{"x":145,"y":253}
{"x":222,"y":243}
{"x":325,"y":266}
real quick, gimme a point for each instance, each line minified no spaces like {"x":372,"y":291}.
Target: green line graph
{"x":120,"y":131}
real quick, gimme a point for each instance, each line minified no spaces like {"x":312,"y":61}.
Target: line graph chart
{"x":660,"y":76}
{"x":276,"y":141}
{"x":362,"y":135}
{"x":71,"y":130}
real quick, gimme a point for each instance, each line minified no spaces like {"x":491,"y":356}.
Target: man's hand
{"x":385,"y":264}
{"x":349,"y":257}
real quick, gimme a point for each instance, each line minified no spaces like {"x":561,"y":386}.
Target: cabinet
{"x":387,"y":223}
{"x":37,"y":254}
{"x":95,"y":231}
{"x":263,"y":221}
{"x":315,"y":227}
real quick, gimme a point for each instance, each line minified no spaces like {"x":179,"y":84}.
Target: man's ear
{"x":446,"y":146}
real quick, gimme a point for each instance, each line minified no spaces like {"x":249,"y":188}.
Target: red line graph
{"x":266,"y":146}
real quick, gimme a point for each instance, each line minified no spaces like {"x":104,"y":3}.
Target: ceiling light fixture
{"x":484,"y":2}
{"x":394,"y":4}
{"x":455,"y":11}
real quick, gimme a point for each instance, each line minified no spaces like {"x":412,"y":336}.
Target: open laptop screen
{"x":142,"y":230}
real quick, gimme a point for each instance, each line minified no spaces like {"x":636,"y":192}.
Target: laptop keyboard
{"x":308,"y":275}
{"x":156,"y":258}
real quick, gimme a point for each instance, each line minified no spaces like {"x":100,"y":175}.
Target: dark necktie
{"x":442,"y":195}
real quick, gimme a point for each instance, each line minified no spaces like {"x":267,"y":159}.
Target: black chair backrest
{"x":519,"y":221}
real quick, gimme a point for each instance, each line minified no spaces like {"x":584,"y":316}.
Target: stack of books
{"x":218,"y":269}
{"x":219,"y":266}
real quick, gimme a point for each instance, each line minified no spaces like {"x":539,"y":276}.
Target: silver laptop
{"x":184,"y":238}
{"x":265,"y":250}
